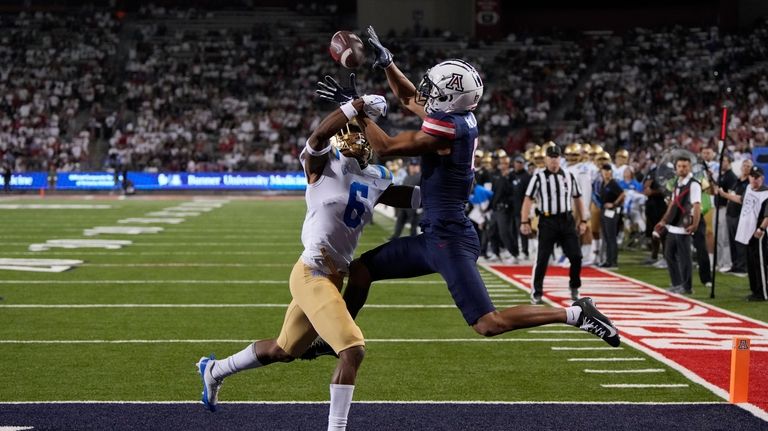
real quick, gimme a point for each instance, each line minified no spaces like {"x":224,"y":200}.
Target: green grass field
{"x":241,"y":255}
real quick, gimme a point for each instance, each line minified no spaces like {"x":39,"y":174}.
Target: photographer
{"x":680,"y":221}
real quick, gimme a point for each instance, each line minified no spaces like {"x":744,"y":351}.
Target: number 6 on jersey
{"x":353,"y":214}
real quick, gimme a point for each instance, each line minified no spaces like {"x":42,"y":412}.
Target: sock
{"x":341,"y":400}
{"x":586,"y":251}
{"x":572,"y":315}
{"x":242,"y":360}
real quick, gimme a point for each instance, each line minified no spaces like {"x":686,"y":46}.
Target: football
{"x":347,"y":49}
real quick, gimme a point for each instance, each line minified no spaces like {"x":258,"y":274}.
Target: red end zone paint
{"x":693,"y":334}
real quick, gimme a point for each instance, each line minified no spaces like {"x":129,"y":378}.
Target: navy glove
{"x":383,"y":55}
{"x":334,"y":92}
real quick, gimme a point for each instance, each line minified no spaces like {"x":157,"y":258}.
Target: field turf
{"x":129,"y":324}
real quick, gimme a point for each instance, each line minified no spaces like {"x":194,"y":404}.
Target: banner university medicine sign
{"x":267,"y":181}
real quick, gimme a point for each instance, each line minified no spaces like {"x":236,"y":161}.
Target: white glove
{"x":375,"y":106}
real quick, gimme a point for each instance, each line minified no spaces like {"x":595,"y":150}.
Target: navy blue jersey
{"x":446,"y":179}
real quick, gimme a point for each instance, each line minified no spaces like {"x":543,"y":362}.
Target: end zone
{"x":689,"y":335}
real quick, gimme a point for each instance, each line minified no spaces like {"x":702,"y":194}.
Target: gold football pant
{"x":317,"y":308}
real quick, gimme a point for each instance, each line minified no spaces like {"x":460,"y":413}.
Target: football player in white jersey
{"x":622,"y":163}
{"x":341,"y":193}
{"x":584,"y":173}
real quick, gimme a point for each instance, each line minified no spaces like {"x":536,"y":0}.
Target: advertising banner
{"x":267,"y":181}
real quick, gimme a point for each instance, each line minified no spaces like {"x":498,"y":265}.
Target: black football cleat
{"x":595,"y":322}
{"x":318,"y":348}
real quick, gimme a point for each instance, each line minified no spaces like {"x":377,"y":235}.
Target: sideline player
{"x":585,"y":177}
{"x":341,"y":193}
{"x":448,"y":245}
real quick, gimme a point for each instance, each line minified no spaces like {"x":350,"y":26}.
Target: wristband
{"x":349,"y":111}
{"x":316,"y":153}
{"x":761,"y":229}
{"x":583,"y":221}
{"x":525,"y":222}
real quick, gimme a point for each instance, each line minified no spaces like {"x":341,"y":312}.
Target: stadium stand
{"x":192,"y":90}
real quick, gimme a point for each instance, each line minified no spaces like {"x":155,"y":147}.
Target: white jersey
{"x":586,"y":173}
{"x":339,"y":204}
{"x":618,"y":172}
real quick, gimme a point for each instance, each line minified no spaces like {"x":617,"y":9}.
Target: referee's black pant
{"x":756,"y":256}
{"x":609,"y":227}
{"x":558,"y":229}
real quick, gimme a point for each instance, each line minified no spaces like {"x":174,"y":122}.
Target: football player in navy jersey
{"x":449,"y":244}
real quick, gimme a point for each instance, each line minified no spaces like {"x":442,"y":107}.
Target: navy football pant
{"x":454,"y":257}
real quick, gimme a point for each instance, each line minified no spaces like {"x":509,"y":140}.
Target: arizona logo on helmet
{"x":455,"y":83}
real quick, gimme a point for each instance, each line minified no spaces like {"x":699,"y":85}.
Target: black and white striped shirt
{"x":553,"y":192}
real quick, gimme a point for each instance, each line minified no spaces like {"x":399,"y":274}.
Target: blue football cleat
{"x":210,"y":385}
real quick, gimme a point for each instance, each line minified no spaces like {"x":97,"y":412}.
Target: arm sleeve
{"x":575,"y":186}
{"x":533,"y":187}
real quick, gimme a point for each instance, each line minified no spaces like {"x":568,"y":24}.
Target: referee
{"x":557,"y":195}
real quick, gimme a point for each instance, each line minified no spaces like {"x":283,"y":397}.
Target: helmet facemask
{"x":424,"y":91}
{"x":350,"y":141}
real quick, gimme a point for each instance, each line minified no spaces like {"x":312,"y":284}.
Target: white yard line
{"x":285,"y":282}
{"x":368,"y":340}
{"x":555,"y":331}
{"x":265,"y":305}
{"x":635,"y":371}
{"x":53,"y":207}
{"x":586,"y":348}
{"x":510,"y":301}
{"x":633,"y":359}
{"x":645,"y":386}
{"x":241,"y":244}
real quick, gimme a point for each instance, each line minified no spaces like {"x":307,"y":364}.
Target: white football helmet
{"x":451,"y":86}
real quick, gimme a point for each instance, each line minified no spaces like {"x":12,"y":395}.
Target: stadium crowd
{"x":207,"y":97}
{"x":53,"y":70}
